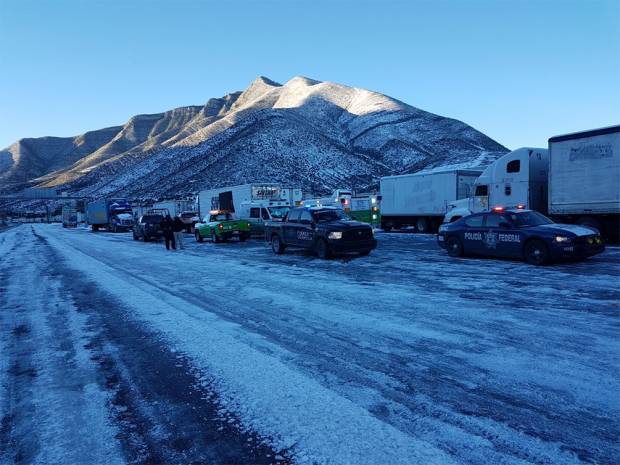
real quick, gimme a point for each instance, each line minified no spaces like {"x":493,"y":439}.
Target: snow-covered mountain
{"x":317,"y":135}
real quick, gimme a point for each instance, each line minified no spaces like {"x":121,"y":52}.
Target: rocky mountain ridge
{"x":307,"y":133}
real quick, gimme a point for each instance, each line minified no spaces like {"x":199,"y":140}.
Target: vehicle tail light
{"x":498,"y":209}
{"x":221,"y":226}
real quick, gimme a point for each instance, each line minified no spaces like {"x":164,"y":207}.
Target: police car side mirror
{"x":504,"y":225}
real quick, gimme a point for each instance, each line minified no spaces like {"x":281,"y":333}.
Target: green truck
{"x":366,"y":208}
{"x":221,"y":226}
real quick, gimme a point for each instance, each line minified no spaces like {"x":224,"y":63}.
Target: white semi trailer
{"x":421,"y":200}
{"x":518,"y":178}
{"x":174,"y":206}
{"x":584,"y":179}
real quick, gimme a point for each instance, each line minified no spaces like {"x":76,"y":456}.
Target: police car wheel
{"x":536,"y":252}
{"x":135,"y":238}
{"x":276,"y":245}
{"x":454,"y":246}
{"x":322,"y":250}
{"x":214,"y":238}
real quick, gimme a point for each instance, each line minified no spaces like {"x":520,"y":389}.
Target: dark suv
{"x":148,"y":227}
{"x":324,"y":230}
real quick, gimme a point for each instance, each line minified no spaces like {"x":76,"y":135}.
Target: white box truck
{"x":421,"y":200}
{"x":255,"y":202}
{"x":518,"y":178}
{"x":584,"y":179}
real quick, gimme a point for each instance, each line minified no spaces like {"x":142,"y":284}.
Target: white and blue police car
{"x":518,"y":233}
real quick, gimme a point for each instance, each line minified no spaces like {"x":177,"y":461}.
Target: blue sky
{"x":520,"y":71}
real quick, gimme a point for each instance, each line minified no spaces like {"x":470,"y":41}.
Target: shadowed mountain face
{"x":316,"y":135}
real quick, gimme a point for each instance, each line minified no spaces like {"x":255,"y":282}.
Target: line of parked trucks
{"x":575,"y":180}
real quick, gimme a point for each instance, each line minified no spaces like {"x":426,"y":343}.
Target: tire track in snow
{"x":163,"y":412}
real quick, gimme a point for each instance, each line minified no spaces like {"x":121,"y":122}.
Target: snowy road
{"x":114,"y":351}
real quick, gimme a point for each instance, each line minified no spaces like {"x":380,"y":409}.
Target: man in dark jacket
{"x":178,"y":227}
{"x":167,"y":228}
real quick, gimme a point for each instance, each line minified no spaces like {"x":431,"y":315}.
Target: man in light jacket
{"x":178,"y":226}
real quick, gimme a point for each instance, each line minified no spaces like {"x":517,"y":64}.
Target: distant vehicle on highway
{"x":69,"y":216}
{"x":111,"y":214}
{"x":148,"y":227}
{"x":189,"y":219}
{"x":221,"y":226}
{"x":420,"y":200}
{"x":326,"y":231}
{"x":519,"y":234}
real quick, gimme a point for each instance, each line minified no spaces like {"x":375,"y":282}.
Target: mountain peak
{"x":303,"y":80}
{"x":265,"y":81}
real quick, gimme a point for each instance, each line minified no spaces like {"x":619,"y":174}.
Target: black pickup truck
{"x":148,"y":227}
{"x":326,"y":231}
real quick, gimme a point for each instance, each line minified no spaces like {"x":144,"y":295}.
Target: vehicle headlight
{"x":562,"y":239}
{"x":335,"y":235}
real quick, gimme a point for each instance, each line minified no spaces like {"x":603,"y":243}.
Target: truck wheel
{"x":145,"y":238}
{"x":243,"y":237}
{"x":455,"y":246}
{"x":198,"y":236}
{"x":276,"y":245}
{"x":95,"y":227}
{"x":422,"y":225}
{"x":590,"y":222}
{"x":135,"y":238}
{"x":536,"y":252}
{"x":322,"y":250}
{"x":387,"y":227}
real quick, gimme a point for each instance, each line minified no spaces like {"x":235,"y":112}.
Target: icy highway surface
{"x":114,"y":351}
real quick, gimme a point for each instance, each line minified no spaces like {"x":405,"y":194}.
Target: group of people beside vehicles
{"x":156,"y":225}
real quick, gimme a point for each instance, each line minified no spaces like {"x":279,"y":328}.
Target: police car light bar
{"x":520,"y":207}
{"x":498,"y":209}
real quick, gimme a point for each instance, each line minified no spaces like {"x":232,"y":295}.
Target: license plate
{"x":440,"y":238}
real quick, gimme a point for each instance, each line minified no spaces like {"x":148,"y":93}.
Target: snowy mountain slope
{"x":318,"y":135}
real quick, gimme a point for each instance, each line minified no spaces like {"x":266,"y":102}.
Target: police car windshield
{"x":278,"y":212}
{"x":325,"y":216}
{"x":524,"y":219}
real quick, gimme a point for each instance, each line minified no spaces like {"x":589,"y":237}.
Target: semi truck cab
{"x":519,"y":178}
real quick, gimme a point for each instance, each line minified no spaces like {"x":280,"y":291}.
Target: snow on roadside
{"x":293,"y":410}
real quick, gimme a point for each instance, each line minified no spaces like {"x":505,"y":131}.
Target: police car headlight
{"x":335,"y":235}
{"x":562,"y":239}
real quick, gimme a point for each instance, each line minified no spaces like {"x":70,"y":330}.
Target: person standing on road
{"x":178,"y":227}
{"x":167,"y":228}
